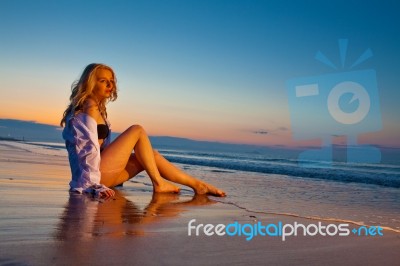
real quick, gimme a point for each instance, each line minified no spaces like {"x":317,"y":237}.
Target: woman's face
{"x":104,"y":84}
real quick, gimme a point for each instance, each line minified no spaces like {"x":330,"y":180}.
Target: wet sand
{"x":42,"y":223}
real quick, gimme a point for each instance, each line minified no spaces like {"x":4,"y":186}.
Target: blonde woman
{"x":97,"y":164}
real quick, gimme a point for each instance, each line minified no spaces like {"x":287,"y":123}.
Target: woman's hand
{"x":107,"y":194}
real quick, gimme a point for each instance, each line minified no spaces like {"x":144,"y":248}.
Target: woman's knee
{"x":136,"y":129}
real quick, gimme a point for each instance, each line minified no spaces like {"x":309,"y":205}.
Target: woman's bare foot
{"x":166,"y":187}
{"x":204,"y":188}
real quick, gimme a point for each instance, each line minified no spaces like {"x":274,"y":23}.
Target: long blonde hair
{"x":82,"y":89}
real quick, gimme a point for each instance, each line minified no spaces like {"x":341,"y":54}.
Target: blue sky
{"x":211,"y":70}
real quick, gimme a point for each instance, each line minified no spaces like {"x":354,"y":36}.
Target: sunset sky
{"x":206,"y":70}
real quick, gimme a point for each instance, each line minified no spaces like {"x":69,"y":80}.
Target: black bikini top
{"x":102,"y":131}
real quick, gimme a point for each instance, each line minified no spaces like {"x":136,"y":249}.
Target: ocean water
{"x":364,"y":194}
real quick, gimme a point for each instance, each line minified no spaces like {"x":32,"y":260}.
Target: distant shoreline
{"x":11,"y":139}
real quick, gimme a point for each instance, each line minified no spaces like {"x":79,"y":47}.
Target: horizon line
{"x":280,"y":146}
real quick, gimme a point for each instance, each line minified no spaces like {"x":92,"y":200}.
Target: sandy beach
{"x":42,"y":223}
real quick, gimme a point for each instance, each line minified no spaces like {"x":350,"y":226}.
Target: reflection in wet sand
{"x":85,"y":217}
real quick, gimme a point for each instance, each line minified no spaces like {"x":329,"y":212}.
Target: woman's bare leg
{"x":174,"y":174}
{"x":115,"y":157}
{"x":132,"y":168}
{"x":169,"y":172}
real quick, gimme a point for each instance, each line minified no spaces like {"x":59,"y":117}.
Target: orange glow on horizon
{"x":210,"y":131}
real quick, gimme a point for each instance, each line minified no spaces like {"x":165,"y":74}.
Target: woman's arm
{"x":84,"y":154}
{"x":91,"y":108}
